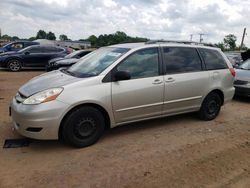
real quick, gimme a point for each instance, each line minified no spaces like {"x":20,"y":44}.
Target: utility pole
{"x":191,"y":37}
{"x":0,"y":33}
{"x":243,"y":38}
{"x":201,"y":39}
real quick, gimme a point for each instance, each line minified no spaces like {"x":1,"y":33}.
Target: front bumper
{"x":38,"y":121}
{"x":52,"y":67}
{"x":242,"y":91}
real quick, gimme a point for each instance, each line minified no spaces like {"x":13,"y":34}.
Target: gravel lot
{"x":179,"y":151}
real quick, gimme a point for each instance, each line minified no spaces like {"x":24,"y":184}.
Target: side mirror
{"x":122,"y":75}
{"x":26,"y":53}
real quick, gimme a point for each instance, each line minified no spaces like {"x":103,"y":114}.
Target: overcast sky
{"x":154,"y":19}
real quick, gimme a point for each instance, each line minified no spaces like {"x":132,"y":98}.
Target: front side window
{"x":141,"y":64}
{"x":181,"y":59}
{"x":213,"y":59}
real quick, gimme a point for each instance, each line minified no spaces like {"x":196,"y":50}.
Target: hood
{"x":243,"y":75}
{"x":55,"y":59}
{"x":67,"y":61}
{"x":45,"y":81}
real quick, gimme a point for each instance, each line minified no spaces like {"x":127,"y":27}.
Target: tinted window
{"x":213,"y":59}
{"x":51,"y":49}
{"x":180,"y":60}
{"x":141,"y":64}
{"x":34,"y":50}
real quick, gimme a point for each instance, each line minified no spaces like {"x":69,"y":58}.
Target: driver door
{"x":141,"y":96}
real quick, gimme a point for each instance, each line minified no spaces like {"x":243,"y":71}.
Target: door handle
{"x":170,"y":79}
{"x":157,"y":81}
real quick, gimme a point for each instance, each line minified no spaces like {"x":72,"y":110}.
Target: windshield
{"x":71,"y":55}
{"x":246,"y":65}
{"x":96,"y":62}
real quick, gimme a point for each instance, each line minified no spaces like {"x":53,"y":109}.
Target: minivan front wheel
{"x":210,"y":107}
{"x":83,"y":127}
{"x":14,"y":65}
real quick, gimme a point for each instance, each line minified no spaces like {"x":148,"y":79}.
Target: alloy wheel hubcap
{"x":14,"y":65}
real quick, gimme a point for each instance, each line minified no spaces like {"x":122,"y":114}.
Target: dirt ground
{"x":180,"y":151}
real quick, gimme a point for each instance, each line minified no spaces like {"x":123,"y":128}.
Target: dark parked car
{"x":242,"y":79}
{"x":32,"y":56}
{"x":16,"y":46}
{"x":67,"y":61}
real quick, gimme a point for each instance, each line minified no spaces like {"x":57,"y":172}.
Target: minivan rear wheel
{"x":210,"y":107}
{"x":83,"y":127}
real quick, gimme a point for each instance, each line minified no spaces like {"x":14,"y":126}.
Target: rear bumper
{"x":229,"y":94}
{"x":242,"y":91}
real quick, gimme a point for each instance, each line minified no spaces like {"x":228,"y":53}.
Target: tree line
{"x":228,"y":43}
{"x":96,"y":41}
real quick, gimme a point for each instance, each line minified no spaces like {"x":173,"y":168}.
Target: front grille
{"x":240,"y":82}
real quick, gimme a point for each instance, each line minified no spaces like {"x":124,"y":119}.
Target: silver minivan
{"x":121,"y":84}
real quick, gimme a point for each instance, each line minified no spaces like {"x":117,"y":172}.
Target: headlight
{"x":44,"y":96}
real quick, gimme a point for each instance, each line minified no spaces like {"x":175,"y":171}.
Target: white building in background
{"x":69,"y":44}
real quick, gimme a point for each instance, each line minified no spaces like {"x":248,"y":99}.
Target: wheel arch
{"x":219,"y":92}
{"x":13,"y":58}
{"x":97,"y":106}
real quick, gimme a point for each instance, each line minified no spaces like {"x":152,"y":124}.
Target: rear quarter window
{"x":213,"y":59}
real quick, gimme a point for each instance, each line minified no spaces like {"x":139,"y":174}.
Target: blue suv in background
{"x":32,"y":56}
{"x":16,"y":46}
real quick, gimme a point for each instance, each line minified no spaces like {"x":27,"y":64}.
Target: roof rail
{"x":179,"y":42}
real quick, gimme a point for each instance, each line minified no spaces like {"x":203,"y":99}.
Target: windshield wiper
{"x":68,"y":72}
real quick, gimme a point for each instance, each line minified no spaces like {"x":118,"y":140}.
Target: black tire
{"x":83,"y":127}
{"x":210,"y":107}
{"x":14,"y":65}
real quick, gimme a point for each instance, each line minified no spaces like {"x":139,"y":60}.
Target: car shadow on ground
{"x":113,"y":134}
{"x":24,"y":70}
{"x":242,"y":99}
{"x":152,"y":124}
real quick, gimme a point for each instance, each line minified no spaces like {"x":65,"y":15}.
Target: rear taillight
{"x":232,"y":71}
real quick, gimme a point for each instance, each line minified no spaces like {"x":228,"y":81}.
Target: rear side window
{"x":213,"y":59}
{"x":51,"y":49}
{"x":181,"y":59}
{"x":35,"y":49}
